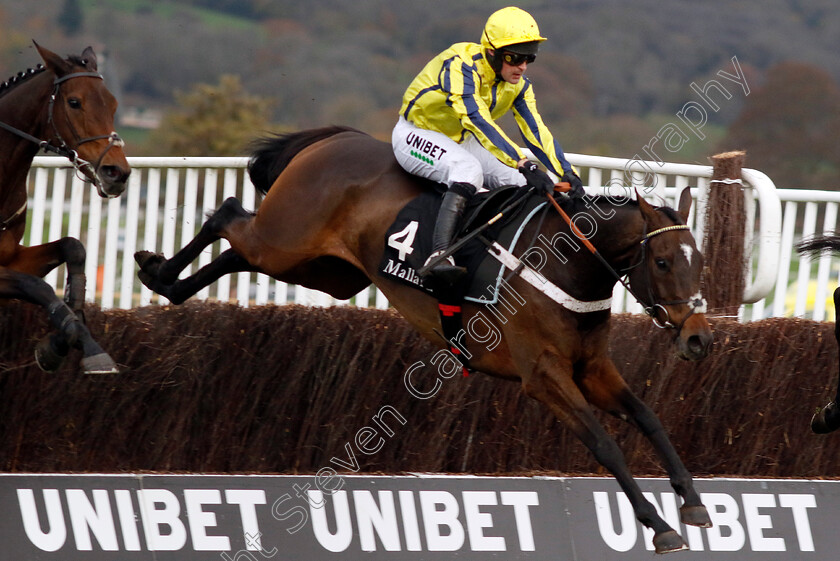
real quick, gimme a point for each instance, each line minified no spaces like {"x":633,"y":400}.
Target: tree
{"x":71,"y":19}
{"x":212,"y":121}
{"x":789,"y":127}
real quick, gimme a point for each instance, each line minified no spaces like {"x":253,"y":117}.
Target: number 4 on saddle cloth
{"x":408,"y":243}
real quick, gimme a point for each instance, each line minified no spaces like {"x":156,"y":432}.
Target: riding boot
{"x":451,"y":209}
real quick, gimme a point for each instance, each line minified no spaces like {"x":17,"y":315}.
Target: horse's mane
{"x":19,"y":78}
{"x":618,"y":201}
{"x":271,"y":154}
{"x":581,"y":205}
{"x":671,"y":213}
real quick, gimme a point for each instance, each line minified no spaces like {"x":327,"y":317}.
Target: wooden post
{"x":725,"y":269}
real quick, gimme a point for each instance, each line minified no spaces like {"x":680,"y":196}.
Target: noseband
{"x":696,"y":305}
{"x":88,"y":170}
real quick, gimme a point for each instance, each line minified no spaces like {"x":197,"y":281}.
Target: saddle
{"x":408,"y":243}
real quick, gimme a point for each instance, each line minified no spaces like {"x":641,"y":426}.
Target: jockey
{"x":447,"y":129}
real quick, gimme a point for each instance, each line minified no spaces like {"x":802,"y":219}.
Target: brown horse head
{"x":669,"y":277}
{"x":81,"y":114}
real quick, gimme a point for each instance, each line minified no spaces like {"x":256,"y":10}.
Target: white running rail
{"x":168,"y":197}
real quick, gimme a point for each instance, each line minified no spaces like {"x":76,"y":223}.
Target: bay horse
{"x":827,"y":419}
{"x":330,"y":195}
{"x":61,"y":107}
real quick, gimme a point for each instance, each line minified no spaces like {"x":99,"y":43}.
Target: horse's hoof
{"x":149,"y":262}
{"x":47,"y":357}
{"x":99,"y":364}
{"x":668,"y":542}
{"x":695,"y":516}
{"x":826,"y":420}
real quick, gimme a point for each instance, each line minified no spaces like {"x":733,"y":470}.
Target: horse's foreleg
{"x":74,"y":255}
{"x":556,"y":389}
{"x":827,"y":419}
{"x":70,"y":331}
{"x":604,"y":387}
{"x":166,"y":271}
{"x":226,"y":263}
{"x":41,"y":259}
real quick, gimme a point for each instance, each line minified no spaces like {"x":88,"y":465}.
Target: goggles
{"x":515,"y":59}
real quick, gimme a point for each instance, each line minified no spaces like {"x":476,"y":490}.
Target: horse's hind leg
{"x":827,"y":419}
{"x":158,"y":269}
{"x":549,"y":385}
{"x":226,"y":263}
{"x":604,"y":387}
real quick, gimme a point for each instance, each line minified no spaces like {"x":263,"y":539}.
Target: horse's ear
{"x":58,"y":65}
{"x":647,"y":209}
{"x":685,"y":204}
{"x":90,"y":58}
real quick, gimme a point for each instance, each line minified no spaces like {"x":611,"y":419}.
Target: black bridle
{"x":652,"y":309}
{"x":695,"y":305}
{"x":88,"y":170}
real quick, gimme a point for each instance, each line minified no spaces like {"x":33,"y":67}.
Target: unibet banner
{"x":333,"y":516}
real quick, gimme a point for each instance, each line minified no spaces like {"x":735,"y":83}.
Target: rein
{"x":653,"y":309}
{"x":592,"y":249}
{"x":87,"y":169}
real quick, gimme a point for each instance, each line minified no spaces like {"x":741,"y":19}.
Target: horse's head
{"x":668,"y":278}
{"x":81,"y":115}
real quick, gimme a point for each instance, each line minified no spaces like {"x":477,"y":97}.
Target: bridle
{"x":88,"y":170}
{"x":695,"y":305}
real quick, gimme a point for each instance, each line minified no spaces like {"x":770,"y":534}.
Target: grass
{"x":167,"y":10}
{"x":135,"y":138}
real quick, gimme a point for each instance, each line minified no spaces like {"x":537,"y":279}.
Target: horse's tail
{"x":814,"y":246}
{"x":271,"y":154}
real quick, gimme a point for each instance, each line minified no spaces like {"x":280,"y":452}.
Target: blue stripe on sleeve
{"x":526,"y":114}
{"x":420,"y":94}
{"x":493,"y":91}
{"x":475,"y":117}
{"x":443,"y":77}
{"x":469,"y":82}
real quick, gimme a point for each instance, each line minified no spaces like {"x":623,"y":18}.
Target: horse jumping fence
{"x":168,"y":197}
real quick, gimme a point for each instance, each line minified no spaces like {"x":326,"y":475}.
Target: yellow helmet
{"x":511,"y":26}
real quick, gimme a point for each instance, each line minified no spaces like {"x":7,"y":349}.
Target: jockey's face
{"x":512,"y":74}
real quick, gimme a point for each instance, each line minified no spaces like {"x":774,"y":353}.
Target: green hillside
{"x":611,"y":75}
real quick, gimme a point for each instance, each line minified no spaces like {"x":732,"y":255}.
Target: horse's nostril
{"x":695,"y":344}
{"x":698,"y":346}
{"x":114,"y":174}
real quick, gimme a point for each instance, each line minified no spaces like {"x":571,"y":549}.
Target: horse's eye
{"x":74,"y":103}
{"x":661,"y":264}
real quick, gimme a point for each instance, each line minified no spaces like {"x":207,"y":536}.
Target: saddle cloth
{"x":408,"y":241}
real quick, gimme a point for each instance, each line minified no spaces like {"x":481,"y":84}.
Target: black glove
{"x":572,"y":179}
{"x":536,"y":177}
